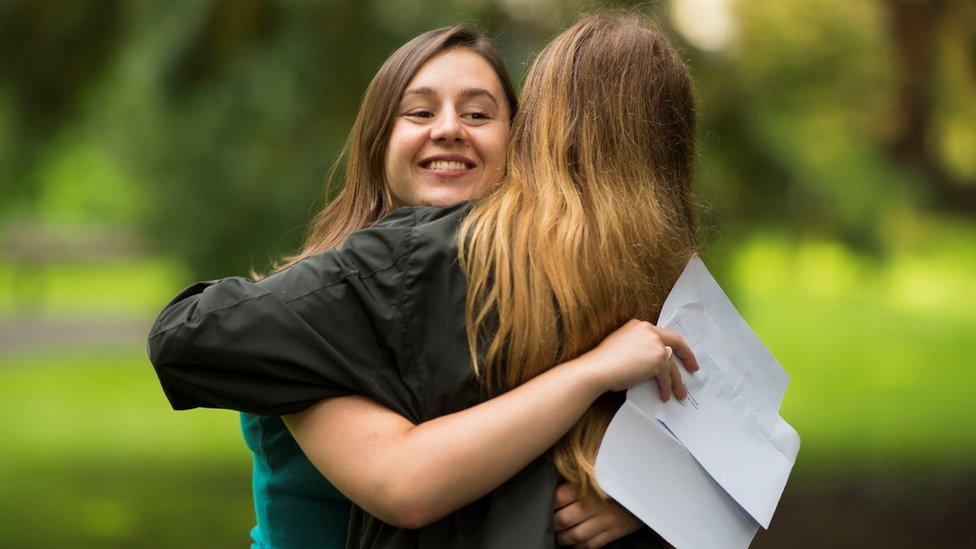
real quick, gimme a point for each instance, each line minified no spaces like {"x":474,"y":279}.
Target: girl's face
{"x":449,"y":136}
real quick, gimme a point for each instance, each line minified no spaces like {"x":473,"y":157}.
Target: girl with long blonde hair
{"x":594,"y":222}
{"x":584,"y":235}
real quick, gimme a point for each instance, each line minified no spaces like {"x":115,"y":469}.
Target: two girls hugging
{"x":451,"y":342}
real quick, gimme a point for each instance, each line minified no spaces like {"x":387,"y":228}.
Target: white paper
{"x":725,"y":423}
{"x":696,"y":285}
{"x":729,"y":429}
{"x":656,"y":478}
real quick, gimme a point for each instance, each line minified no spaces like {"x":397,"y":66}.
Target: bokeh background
{"x":146,"y":144}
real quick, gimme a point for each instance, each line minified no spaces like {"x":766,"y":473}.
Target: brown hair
{"x":593,"y":222}
{"x":364,"y":196}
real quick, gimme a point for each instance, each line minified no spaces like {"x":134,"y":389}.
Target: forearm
{"x":458,"y":458}
{"x":414,"y":475}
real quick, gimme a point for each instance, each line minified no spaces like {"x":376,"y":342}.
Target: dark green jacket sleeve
{"x":327,"y":326}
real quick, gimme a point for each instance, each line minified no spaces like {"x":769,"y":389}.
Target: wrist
{"x":587,"y":376}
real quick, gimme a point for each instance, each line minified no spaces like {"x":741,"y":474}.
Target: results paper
{"x":728,"y":431}
{"x":655,"y":477}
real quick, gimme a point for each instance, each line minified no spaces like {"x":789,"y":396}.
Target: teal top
{"x":294,"y":504}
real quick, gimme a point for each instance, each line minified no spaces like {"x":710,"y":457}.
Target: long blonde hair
{"x":594,"y":221}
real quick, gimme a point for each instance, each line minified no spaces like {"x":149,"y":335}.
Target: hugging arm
{"x":412,"y":475}
{"x":315,"y":331}
{"x":233,"y":344}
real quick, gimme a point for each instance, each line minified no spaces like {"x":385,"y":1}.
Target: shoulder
{"x":411,"y":233}
{"x":408,"y":236}
{"x":438,"y":226}
{"x":416,"y":223}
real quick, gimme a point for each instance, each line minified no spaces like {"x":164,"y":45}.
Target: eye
{"x":420,"y":114}
{"x":477,"y":116}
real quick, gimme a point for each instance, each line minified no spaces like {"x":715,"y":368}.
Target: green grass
{"x":873,"y":383}
{"x":121,"y":501}
{"x":93,"y":456}
{"x":95,"y":401}
{"x":879,"y":354}
{"x":125,"y":287}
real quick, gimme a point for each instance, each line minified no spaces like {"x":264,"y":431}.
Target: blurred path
{"x":32,"y":333}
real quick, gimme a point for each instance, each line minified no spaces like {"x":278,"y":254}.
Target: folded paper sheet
{"x":649,"y":472}
{"x":729,"y":427}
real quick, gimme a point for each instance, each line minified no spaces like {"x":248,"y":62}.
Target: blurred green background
{"x":146,"y":144}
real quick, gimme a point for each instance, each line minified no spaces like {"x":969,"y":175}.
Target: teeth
{"x":442,"y":165}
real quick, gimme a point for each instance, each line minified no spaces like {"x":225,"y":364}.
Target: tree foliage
{"x":208,"y":125}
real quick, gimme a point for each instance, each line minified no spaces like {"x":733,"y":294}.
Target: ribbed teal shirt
{"x":295,"y":506}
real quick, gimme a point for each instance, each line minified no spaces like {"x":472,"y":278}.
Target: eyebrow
{"x":465,"y":93}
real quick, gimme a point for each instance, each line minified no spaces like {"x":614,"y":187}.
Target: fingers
{"x":664,"y":382}
{"x":565,"y":494}
{"x":582,"y":532}
{"x":604,"y":521}
{"x":596,"y":541}
{"x":677,"y":385}
{"x":570,"y":516}
{"x":681,"y":349}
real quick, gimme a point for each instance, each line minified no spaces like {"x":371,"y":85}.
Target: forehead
{"x":457,"y":69}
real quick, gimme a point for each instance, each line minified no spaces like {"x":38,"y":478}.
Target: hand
{"x":591,"y":523}
{"x":637,"y":351}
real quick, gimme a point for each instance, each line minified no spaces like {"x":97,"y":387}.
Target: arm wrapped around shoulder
{"x":330,"y":325}
{"x":280,"y":345}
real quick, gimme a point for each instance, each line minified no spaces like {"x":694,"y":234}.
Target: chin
{"x":443,"y":201}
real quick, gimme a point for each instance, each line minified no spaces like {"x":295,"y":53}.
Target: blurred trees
{"x":208,"y":125}
{"x":51,"y":54}
{"x":935,"y":43}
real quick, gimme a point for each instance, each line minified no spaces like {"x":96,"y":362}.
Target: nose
{"x":448,"y":128}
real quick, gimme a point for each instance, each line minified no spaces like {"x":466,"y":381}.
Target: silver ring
{"x":668,"y":353}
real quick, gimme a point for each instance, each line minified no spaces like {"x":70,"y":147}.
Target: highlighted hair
{"x":593,"y":222}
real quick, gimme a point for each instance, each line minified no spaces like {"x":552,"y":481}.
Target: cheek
{"x":403,"y":144}
{"x":408,"y":142}
{"x":395,"y":151}
{"x":495,"y":148}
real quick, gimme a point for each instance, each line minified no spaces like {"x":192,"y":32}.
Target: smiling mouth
{"x":446,"y":165}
